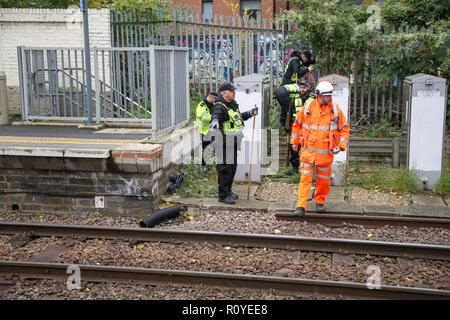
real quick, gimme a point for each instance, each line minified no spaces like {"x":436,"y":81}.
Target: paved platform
{"x":423,"y":205}
{"x":14,"y":138}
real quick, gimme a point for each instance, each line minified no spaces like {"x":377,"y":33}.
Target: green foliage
{"x":159,"y":7}
{"x":415,"y":12}
{"x":199,"y":182}
{"x":381,"y":129}
{"x":334,"y":30}
{"x":340,"y":35}
{"x":193,"y":103}
{"x":383,"y":178}
{"x":443,"y":184}
{"x":40,"y":4}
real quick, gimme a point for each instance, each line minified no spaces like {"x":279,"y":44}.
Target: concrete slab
{"x":380,"y":210}
{"x":189,"y":202}
{"x":338,"y":206}
{"x":45,"y":124}
{"x":241,"y":205}
{"x":138,"y":148}
{"x":33,"y":152}
{"x":282,"y":206}
{"x":125,"y":131}
{"x":428,"y":200}
{"x":242,"y":190}
{"x":336,"y":193}
{"x":93,"y":127}
{"x":425,"y":211}
{"x":87,"y":153}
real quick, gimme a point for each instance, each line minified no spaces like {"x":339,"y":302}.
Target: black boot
{"x":320,"y":207}
{"x":228,"y":200}
{"x":299,"y":212}
{"x":292,"y":171}
{"x":233,"y":195}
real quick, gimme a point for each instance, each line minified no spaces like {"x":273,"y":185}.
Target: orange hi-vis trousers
{"x":323,"y":181}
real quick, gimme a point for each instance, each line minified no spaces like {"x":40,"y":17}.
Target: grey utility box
{"x":423,"y":126}
{"x":252,"y":90}
{"x":341,"y":97}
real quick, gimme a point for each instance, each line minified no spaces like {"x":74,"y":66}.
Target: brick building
{"x":267,"y":9}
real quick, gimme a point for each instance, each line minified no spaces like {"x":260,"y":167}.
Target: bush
{"x":385,"y":178}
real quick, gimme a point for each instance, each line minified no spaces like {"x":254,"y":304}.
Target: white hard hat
{"x":324,"y":88}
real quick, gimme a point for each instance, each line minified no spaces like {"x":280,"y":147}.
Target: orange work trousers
{"x":323,"y":181}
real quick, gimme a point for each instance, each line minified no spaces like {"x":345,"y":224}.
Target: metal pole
{"x":87,"y":57}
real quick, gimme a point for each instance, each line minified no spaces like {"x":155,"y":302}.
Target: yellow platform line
{"x":63,"y":140}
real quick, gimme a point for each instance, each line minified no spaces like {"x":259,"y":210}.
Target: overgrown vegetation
{"x":382,"y":178}
{"x":443,"y":184}
{"x":370,"y":129}
{"x":199,"y":182}
{"x":341,"y":33}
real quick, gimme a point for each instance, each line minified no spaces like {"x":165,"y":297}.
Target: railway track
{"x":92,"y":273}
{"x":338,"y":219}
{"x":378,"y":248}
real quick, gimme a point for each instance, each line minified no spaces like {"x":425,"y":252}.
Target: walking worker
{"x":322,"y":131}
{"x":229,"y":120}
{"x":300,"y":63}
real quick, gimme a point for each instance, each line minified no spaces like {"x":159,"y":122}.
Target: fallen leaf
{"x":97,"y":263}
{"x":40,"y":217}
{"x":227,"y":248}
{"x":246,"y":223}
{"x":87,"y":290}
{"x":370,"y":235}
{"x":277,"y":231}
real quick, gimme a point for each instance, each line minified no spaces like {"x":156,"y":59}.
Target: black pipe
{"x":160,"y":215}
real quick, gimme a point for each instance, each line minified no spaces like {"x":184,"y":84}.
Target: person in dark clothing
{"x":229,"y":121}
{"x":303,"y":96}
{"x":300,"y":63}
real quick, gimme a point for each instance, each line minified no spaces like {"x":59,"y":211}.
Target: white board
{"x":426,"y":133}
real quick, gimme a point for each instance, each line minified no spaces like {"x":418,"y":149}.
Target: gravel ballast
{"x":250,"y":222}
{"x":217,"y":258}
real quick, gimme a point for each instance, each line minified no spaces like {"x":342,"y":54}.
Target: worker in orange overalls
{"x":322,"y":131}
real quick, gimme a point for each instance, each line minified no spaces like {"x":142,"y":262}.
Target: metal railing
{"x":226,"y":47}
{"x":128,"y":85}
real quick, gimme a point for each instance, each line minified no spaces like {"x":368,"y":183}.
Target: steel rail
{"x":367,"y":221}
{"x":93,"y":273}
{"x":378,"y":248}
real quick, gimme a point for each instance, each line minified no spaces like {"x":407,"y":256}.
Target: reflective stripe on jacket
{"x":203,"y":117}
{"x":318,"y":129}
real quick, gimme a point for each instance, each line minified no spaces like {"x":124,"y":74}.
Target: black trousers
{"x":226,"y":169}
{"x":284,"y":100}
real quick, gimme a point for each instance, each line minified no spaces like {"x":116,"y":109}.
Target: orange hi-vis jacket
{"x":318,"y":129}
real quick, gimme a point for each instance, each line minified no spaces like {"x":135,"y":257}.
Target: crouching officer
{"x":322,"y":131}
{"x":203,"y":117}
{"x":229,"y":120}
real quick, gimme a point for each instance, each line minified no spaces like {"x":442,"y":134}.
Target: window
{"x":253,"y":8}
{"x":207,"y":9}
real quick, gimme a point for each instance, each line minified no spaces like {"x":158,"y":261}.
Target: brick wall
{"x":45,"y":28}
{"x":130,"y":183}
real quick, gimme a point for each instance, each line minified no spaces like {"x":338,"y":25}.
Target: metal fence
{"x":221,"y":49}
{"x":125,"y":83}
